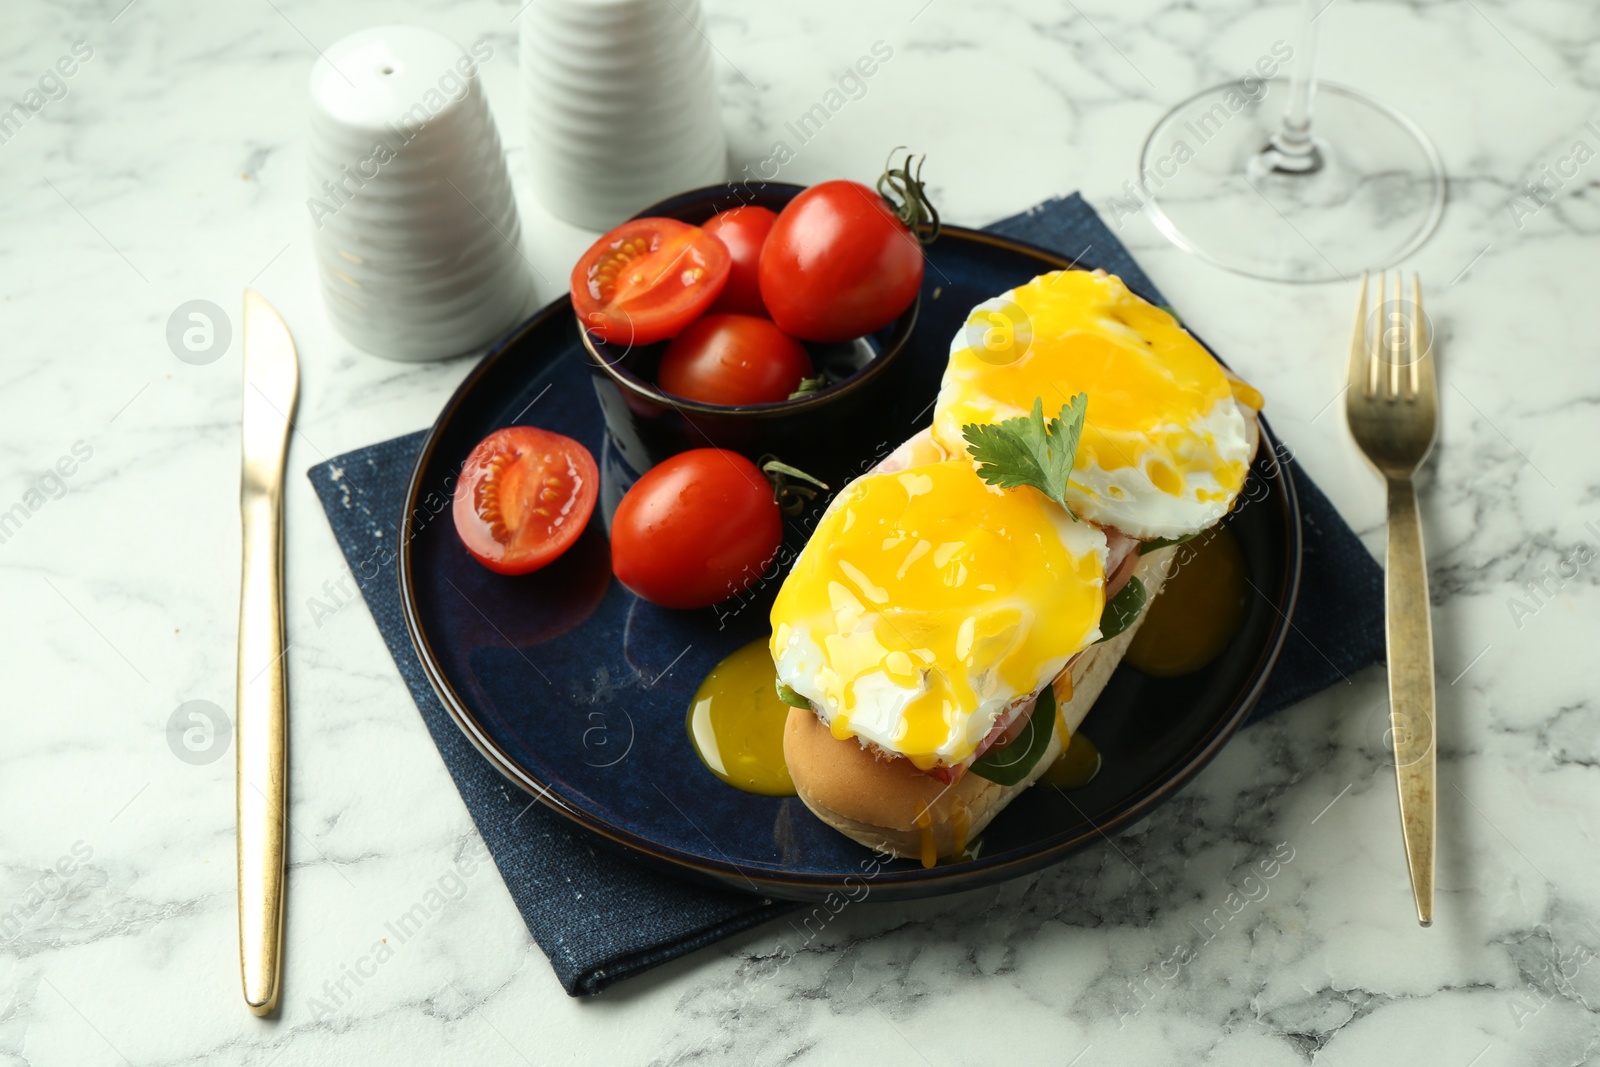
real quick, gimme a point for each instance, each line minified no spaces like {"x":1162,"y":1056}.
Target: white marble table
{"x":170,"y":168}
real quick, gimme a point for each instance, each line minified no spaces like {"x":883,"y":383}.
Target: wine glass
{"x":1283,"y":179}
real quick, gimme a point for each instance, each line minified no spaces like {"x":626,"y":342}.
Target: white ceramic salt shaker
{"x":412,"y":215}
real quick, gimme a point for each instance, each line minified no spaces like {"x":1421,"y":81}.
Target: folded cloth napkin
{"x":599,"y":916}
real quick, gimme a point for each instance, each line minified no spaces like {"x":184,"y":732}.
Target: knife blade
{"x":271,"y":386}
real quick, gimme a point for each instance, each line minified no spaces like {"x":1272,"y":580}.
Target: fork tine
{"x":1356,"y":373}
{"x":1375,"y":339}
{"x":1419,"y":343}
{"x":1397,"y":336}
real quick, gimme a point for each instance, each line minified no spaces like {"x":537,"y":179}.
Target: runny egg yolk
{"x":927,"y":601}
{"x":1163,"y":449}
{"x":736,"y":723}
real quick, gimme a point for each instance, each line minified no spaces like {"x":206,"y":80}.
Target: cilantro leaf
{"x":1027,"y":450}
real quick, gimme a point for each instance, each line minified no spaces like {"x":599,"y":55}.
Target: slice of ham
{"x":1122,"y":556}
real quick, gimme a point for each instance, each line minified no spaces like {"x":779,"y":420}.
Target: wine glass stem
{"x":1293,"y":145}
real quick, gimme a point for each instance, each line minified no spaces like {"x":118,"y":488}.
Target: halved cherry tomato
{"x":733,"y":359}
{"x":524,"y":496}
{"x":744,"y":230}
{"x":696,"y":529}
{"x":647,"y":279}
{"x":838,"y":264}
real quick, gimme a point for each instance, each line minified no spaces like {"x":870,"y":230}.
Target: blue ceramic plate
{"x":577,"y":691}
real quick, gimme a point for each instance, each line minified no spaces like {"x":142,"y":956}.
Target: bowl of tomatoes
{"x":764,"y":319}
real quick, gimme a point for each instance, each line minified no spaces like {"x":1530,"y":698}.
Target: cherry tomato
{"x":647,"y":279}
{"x":696,"y":529}
{"x":733,"y":359}
{"x":838,"y":264}
{"x":744,"y":230}
{"x":524,"y":496}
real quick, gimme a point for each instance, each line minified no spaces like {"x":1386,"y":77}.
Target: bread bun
{"x":889,"y":805}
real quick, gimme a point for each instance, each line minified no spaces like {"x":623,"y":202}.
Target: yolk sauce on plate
{"x":736,"y":723}
{"x":1199,"y":610}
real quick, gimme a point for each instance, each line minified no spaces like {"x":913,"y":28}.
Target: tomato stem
{"x":807,"y":386}
{"x":905,"y":193}
{"x":791,"y":499}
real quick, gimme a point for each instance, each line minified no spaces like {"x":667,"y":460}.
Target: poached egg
{"x":1165,"y":445}
{"x":927,"y":603}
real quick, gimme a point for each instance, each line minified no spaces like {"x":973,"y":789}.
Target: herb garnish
{"x":1027,"y":450}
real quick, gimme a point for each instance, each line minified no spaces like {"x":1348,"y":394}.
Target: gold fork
{"x":1392,"y":403}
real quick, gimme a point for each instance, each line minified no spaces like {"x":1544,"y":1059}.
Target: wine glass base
{"x":1373,"y":195}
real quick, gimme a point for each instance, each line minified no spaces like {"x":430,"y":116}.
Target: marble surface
{"x":168,"y":167}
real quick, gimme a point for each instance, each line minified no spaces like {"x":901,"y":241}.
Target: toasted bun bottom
{"x":889,"y":805}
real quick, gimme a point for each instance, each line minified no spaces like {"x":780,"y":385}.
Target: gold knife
{"x":271,"y":385}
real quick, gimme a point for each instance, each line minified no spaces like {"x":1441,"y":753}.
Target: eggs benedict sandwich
{"x":959,"y":608}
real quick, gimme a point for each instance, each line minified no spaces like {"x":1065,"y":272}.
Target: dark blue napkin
{"x":599,"y":916}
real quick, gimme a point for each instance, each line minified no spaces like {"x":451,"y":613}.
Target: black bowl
{"x":825,"y":433}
